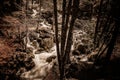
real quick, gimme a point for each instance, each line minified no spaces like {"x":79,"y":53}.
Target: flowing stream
{"x":42,"y":67}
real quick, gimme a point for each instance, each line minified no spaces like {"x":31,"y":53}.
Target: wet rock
{"x":45,"y":33}
{"x":85,"y":40}
{"x":47,"y":43}
{"x":35,"y":44}
{"x":20,"y":56}
{"x":31,"y":55}
{"x":29,"y":50}
{"x":20,"y":71}
{"x":48,"y":16}
{"x":49,"y":59}
{"x":29,"y":64}
{"x":45,"y":39}
{"x":39,"y":40}
{"x":23,"y":60}
{"x":38,"y":51}
{"x":82,"y":49}
{"x":33,"y":35}
{"x":75,"y":52}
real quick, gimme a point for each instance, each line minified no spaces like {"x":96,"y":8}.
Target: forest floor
{"x":10,"y":48}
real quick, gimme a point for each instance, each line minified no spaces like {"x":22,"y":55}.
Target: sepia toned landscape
{"x":59,"y":39}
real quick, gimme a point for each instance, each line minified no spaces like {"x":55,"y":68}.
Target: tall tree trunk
{"x":113,"y":40}
{"x":26,"y":9}
{"x":56,"y":35}
{"x":70,"y":30}
{"x":63,"y":27}
{"x":96,"y":44}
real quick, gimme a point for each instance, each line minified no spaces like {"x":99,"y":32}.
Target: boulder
{"x":39,"y":50}
{"x":47,"y":15}
{"x":35,"y":44}
{"x":49,"y":59}
{"x":47,"y":43}
{"x":82,"y":49}
{"x":45,"y":40}
{"x":33,"y":36}
{"x":75,"y":52}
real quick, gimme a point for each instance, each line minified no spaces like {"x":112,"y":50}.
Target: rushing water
{"x":41,"y":66}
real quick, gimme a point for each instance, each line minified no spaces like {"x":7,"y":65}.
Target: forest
{"x":59,"y":39}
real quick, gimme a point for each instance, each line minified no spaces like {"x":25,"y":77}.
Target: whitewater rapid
{"x":42,"y":67}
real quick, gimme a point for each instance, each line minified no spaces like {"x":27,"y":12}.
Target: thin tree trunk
{"x":64,"y":34}
{"x":56,"y":35}
{"x":63,"y":27}
{"x":63,"y":38}
{"x":26,"y":24}
{"x":97,"y":24}
{"x":105,"y":42}
{"x":113,"y":40}
{"x":70,"y":31}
